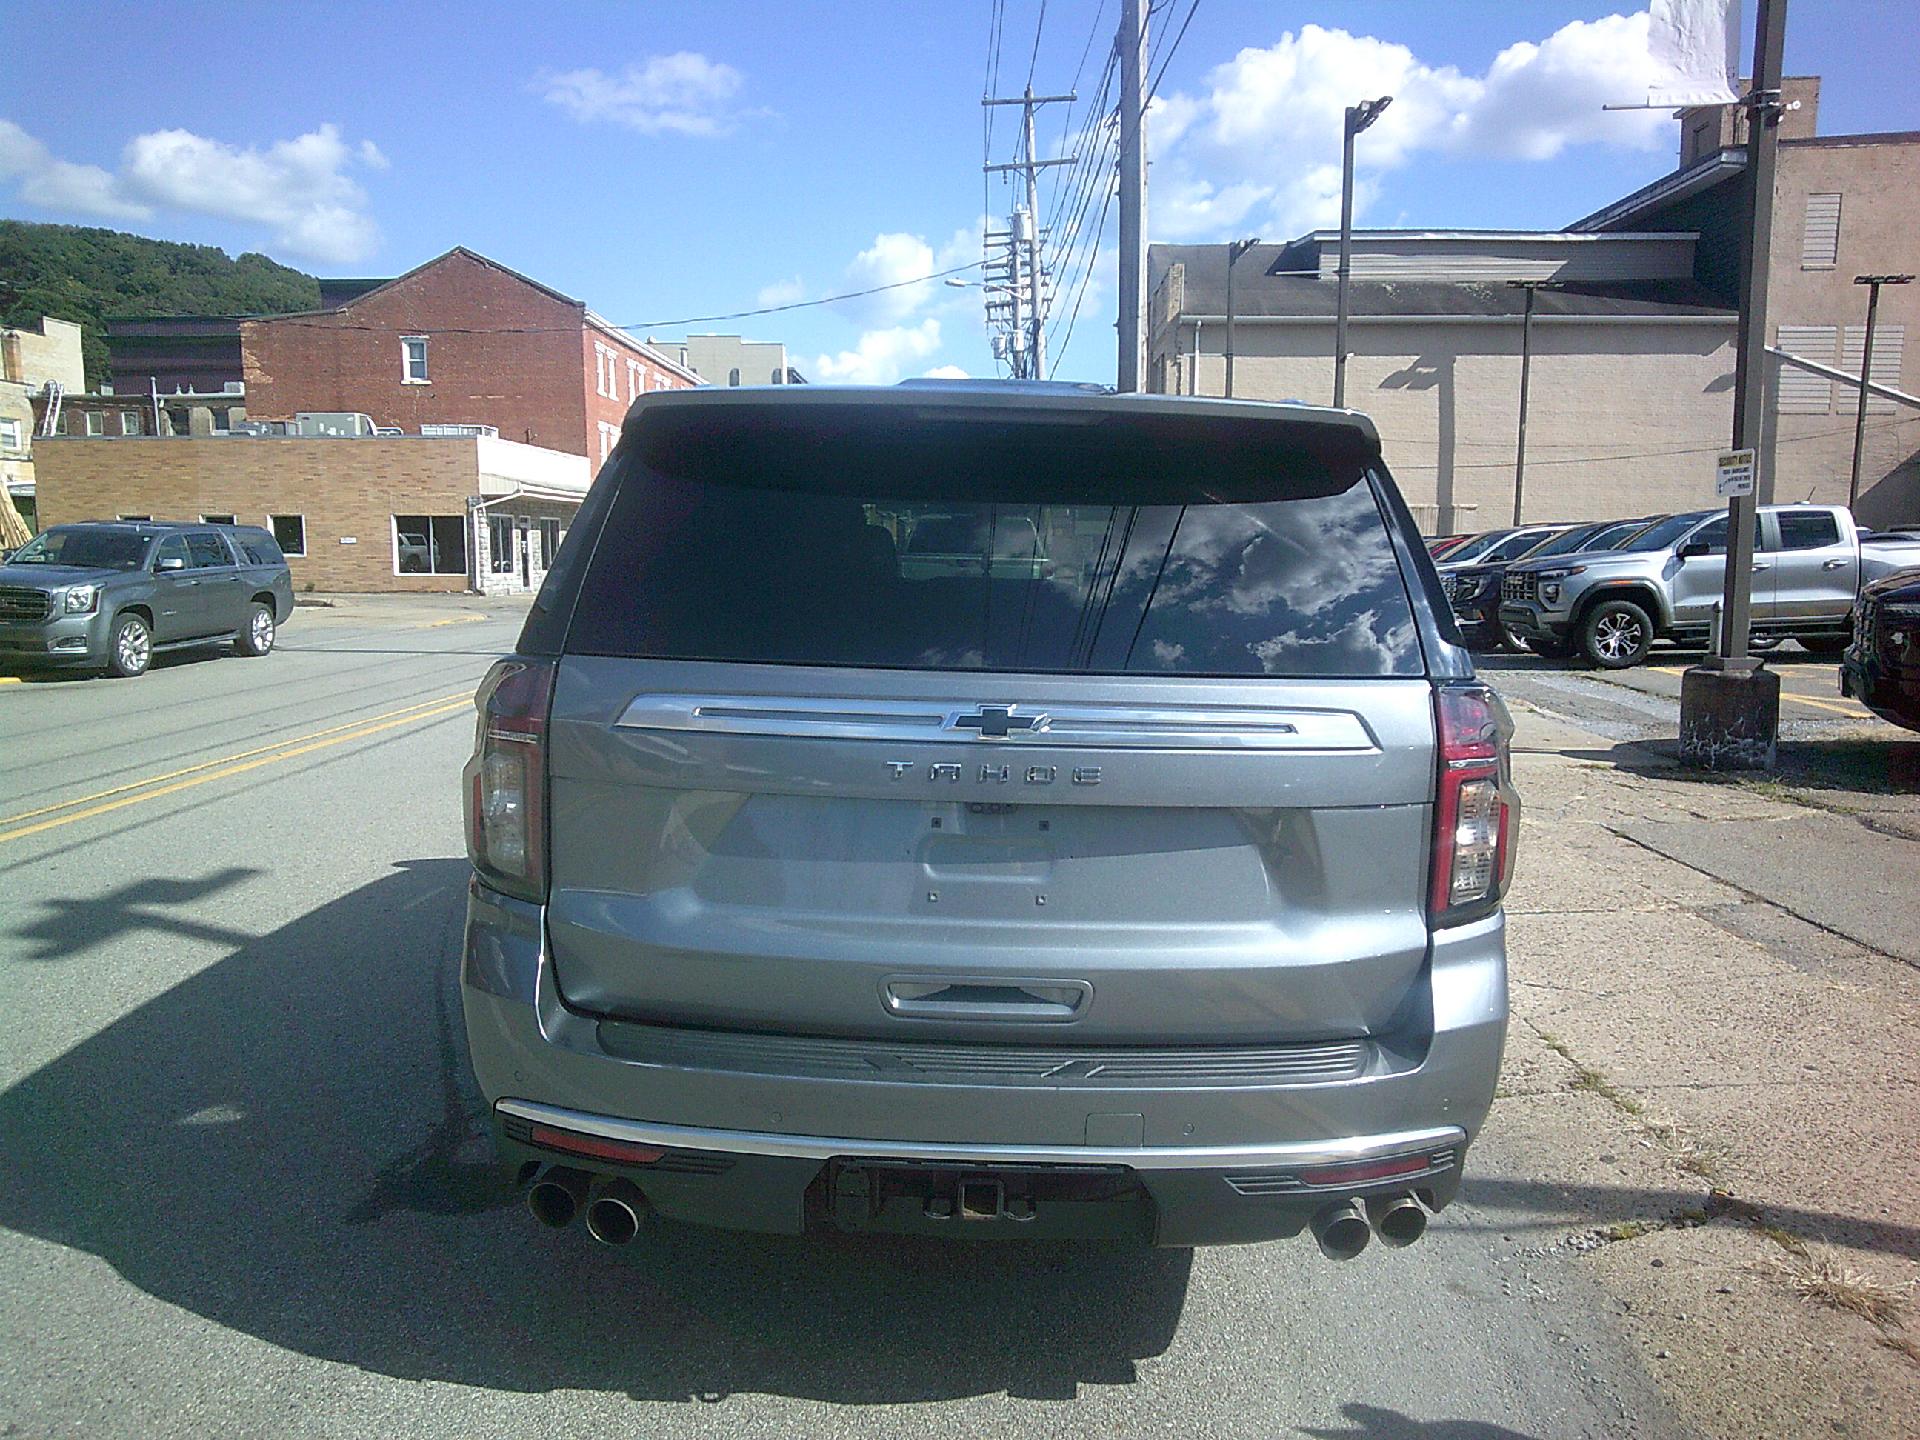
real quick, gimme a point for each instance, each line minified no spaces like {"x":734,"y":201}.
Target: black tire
{"x":1548,"y":648}
{"x":1822,"y":644}
{"x":130,"y":648}
{"x":256,"y":631}
{"x":1616,"y":634}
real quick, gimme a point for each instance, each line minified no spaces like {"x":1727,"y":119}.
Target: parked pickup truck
{"x":107,"y":596}
{"x":1809,"y":563}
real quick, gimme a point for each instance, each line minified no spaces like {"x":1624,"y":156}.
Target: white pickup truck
{"x":1809,"y":562}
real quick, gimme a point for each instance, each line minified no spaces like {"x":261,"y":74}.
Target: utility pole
{"x":1132,"y":43}
{"x":1359,"y":117}
{"x":1526,"y":374}
{"x":1730,"y":702}
{"x":1235,"y":250}
{"x":1873,"y":284}
{"x":1025,"y":231}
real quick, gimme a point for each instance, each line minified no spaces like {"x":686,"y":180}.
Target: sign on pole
{"x":1734,"y":474}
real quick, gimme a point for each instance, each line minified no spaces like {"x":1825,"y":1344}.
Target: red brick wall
{"x":520,"y":372}
{"x":605,"y":409}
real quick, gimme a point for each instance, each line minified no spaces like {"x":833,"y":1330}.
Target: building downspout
{"x":1193,"y":371}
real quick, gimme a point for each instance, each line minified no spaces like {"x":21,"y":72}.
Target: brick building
{"x":461,"y":340}
{"x":404,"y":514}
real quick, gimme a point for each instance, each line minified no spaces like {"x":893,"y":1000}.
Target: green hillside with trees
{"x":81,"y":273}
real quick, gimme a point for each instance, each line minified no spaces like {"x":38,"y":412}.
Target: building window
{"x":1801,"y":391}
{"x":609,"y":437}
{"x":10,"y":431}
{"x":775,"y":378}
{"x":500,"y":557}
{"x":430,"y":544}
{"x":95,"y":423}
{"x":1820,"y":237}
{"x":549,"y":542}
{"x":136,"y":517}
{"x":636,"y":379}
{"x":289,"y":533}
{"x":179,"y":420}
{"x":413,"y":360}
{"x":129,"y":422}
{"x":733,"y":376}
{"x":222,"y":419}
{"x":216,"y":519}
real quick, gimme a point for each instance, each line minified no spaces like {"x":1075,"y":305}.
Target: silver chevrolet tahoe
{"x":1154,"y":892}
{"x":1809,"y":563}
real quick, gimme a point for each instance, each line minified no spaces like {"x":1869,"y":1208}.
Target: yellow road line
{"x":1841,"y":707}
{"x":456,"y":620}
{"x":126,"y":800}
{"x":461,"y":696}
{"x":9,"y":679}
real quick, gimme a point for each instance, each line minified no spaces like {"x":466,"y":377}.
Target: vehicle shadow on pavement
{"x":1877,"y":762}
{"x":287,"y":1144}
{"x":1374,"y":1422}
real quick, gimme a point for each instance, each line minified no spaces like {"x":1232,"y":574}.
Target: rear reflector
{"x":596,"y":1147}
{"x":1359,"y":1172}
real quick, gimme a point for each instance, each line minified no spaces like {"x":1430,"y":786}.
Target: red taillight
{"x":1360,"y":1172}
{"x":1474,"y":811}
{"x":506,"y":780}
{"x":595,"y":1147}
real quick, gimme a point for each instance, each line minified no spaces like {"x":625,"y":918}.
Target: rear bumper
{"x":1892,"y":695}
{"x":751,"y":1147}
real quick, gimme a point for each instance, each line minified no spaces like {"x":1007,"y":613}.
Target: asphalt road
{"x":245,"y":1189}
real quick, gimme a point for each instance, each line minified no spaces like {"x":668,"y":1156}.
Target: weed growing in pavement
{"x":1841,"y":1287}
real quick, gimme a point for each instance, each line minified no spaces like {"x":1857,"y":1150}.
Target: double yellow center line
{"x":102,"y":802}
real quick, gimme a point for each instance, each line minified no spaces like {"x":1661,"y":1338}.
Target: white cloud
{"x":947,"y":372}
{"x":891,"y":260}
{"x":302,"y":189}
{"x":680,"y":94}
{"x":1277,"y":112}
{"x":881,"y":356}
{"x":782,"y":292}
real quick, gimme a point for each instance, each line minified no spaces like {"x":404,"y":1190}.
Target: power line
{"x":1167,"y":59}
{"x":653,"y":324}
{"x":1038,"y":26}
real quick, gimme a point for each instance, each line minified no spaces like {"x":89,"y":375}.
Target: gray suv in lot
{"x":108,"y":596}
{"x":1153,"y":892}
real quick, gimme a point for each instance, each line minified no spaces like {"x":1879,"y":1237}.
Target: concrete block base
{"x":1729,"y":717}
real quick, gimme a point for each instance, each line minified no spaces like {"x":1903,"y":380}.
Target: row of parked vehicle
{"x":1608,"y":590}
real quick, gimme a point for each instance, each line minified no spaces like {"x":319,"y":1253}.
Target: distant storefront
{"x":358,"y":515}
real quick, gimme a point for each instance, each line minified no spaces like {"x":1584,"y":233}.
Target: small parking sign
{"x":1734,"y":474}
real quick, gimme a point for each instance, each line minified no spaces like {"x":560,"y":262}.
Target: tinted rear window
{"x":1051,"y":578}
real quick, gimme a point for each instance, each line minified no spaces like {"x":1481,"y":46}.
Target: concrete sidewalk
{"x":1710,"y":1094}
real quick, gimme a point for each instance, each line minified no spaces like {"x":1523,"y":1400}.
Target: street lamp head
{"x":1237,"y":248}
{"x":1360,"y":116}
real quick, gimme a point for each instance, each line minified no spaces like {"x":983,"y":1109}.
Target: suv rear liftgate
{"x":1123,"y":858}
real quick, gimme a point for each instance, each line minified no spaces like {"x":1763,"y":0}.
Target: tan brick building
{"x":460,"y":340}
{"x":406,"y":514}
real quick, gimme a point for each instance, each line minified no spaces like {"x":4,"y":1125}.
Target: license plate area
{"x":981,"y":1201}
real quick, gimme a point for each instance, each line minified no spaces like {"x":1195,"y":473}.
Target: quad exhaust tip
{"x":556,"y":1197}
{"x":1398,"y":1220}
{"x":1341,"y":1230}
{"x":616,"y":1212}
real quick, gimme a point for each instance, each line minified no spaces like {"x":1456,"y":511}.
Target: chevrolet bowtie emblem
{"x":997,"y":722}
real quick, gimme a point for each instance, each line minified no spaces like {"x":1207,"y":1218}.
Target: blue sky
{"x":671,"y":160}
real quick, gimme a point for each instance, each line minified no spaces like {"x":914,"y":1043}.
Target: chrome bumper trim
{"x":820,"y":1147}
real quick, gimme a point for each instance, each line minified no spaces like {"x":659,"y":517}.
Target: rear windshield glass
{"x":703,"y":569}
{"x":90,"y":549}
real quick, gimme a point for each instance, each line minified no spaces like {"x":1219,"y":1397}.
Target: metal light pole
{"x":1526,"y":373}
{"x":1730,"y":702}
{"x":1235,"y":249}
{"x":1873,"y":284}
{"x":1359,"y":117}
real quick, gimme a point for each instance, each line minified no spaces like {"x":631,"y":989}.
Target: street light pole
{"x":1235,"y":249}
{"x":1359,"y":117}
{"x":1873,"y":284}
{"x":1526,"y":373}
{"x":1730,"y":702}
